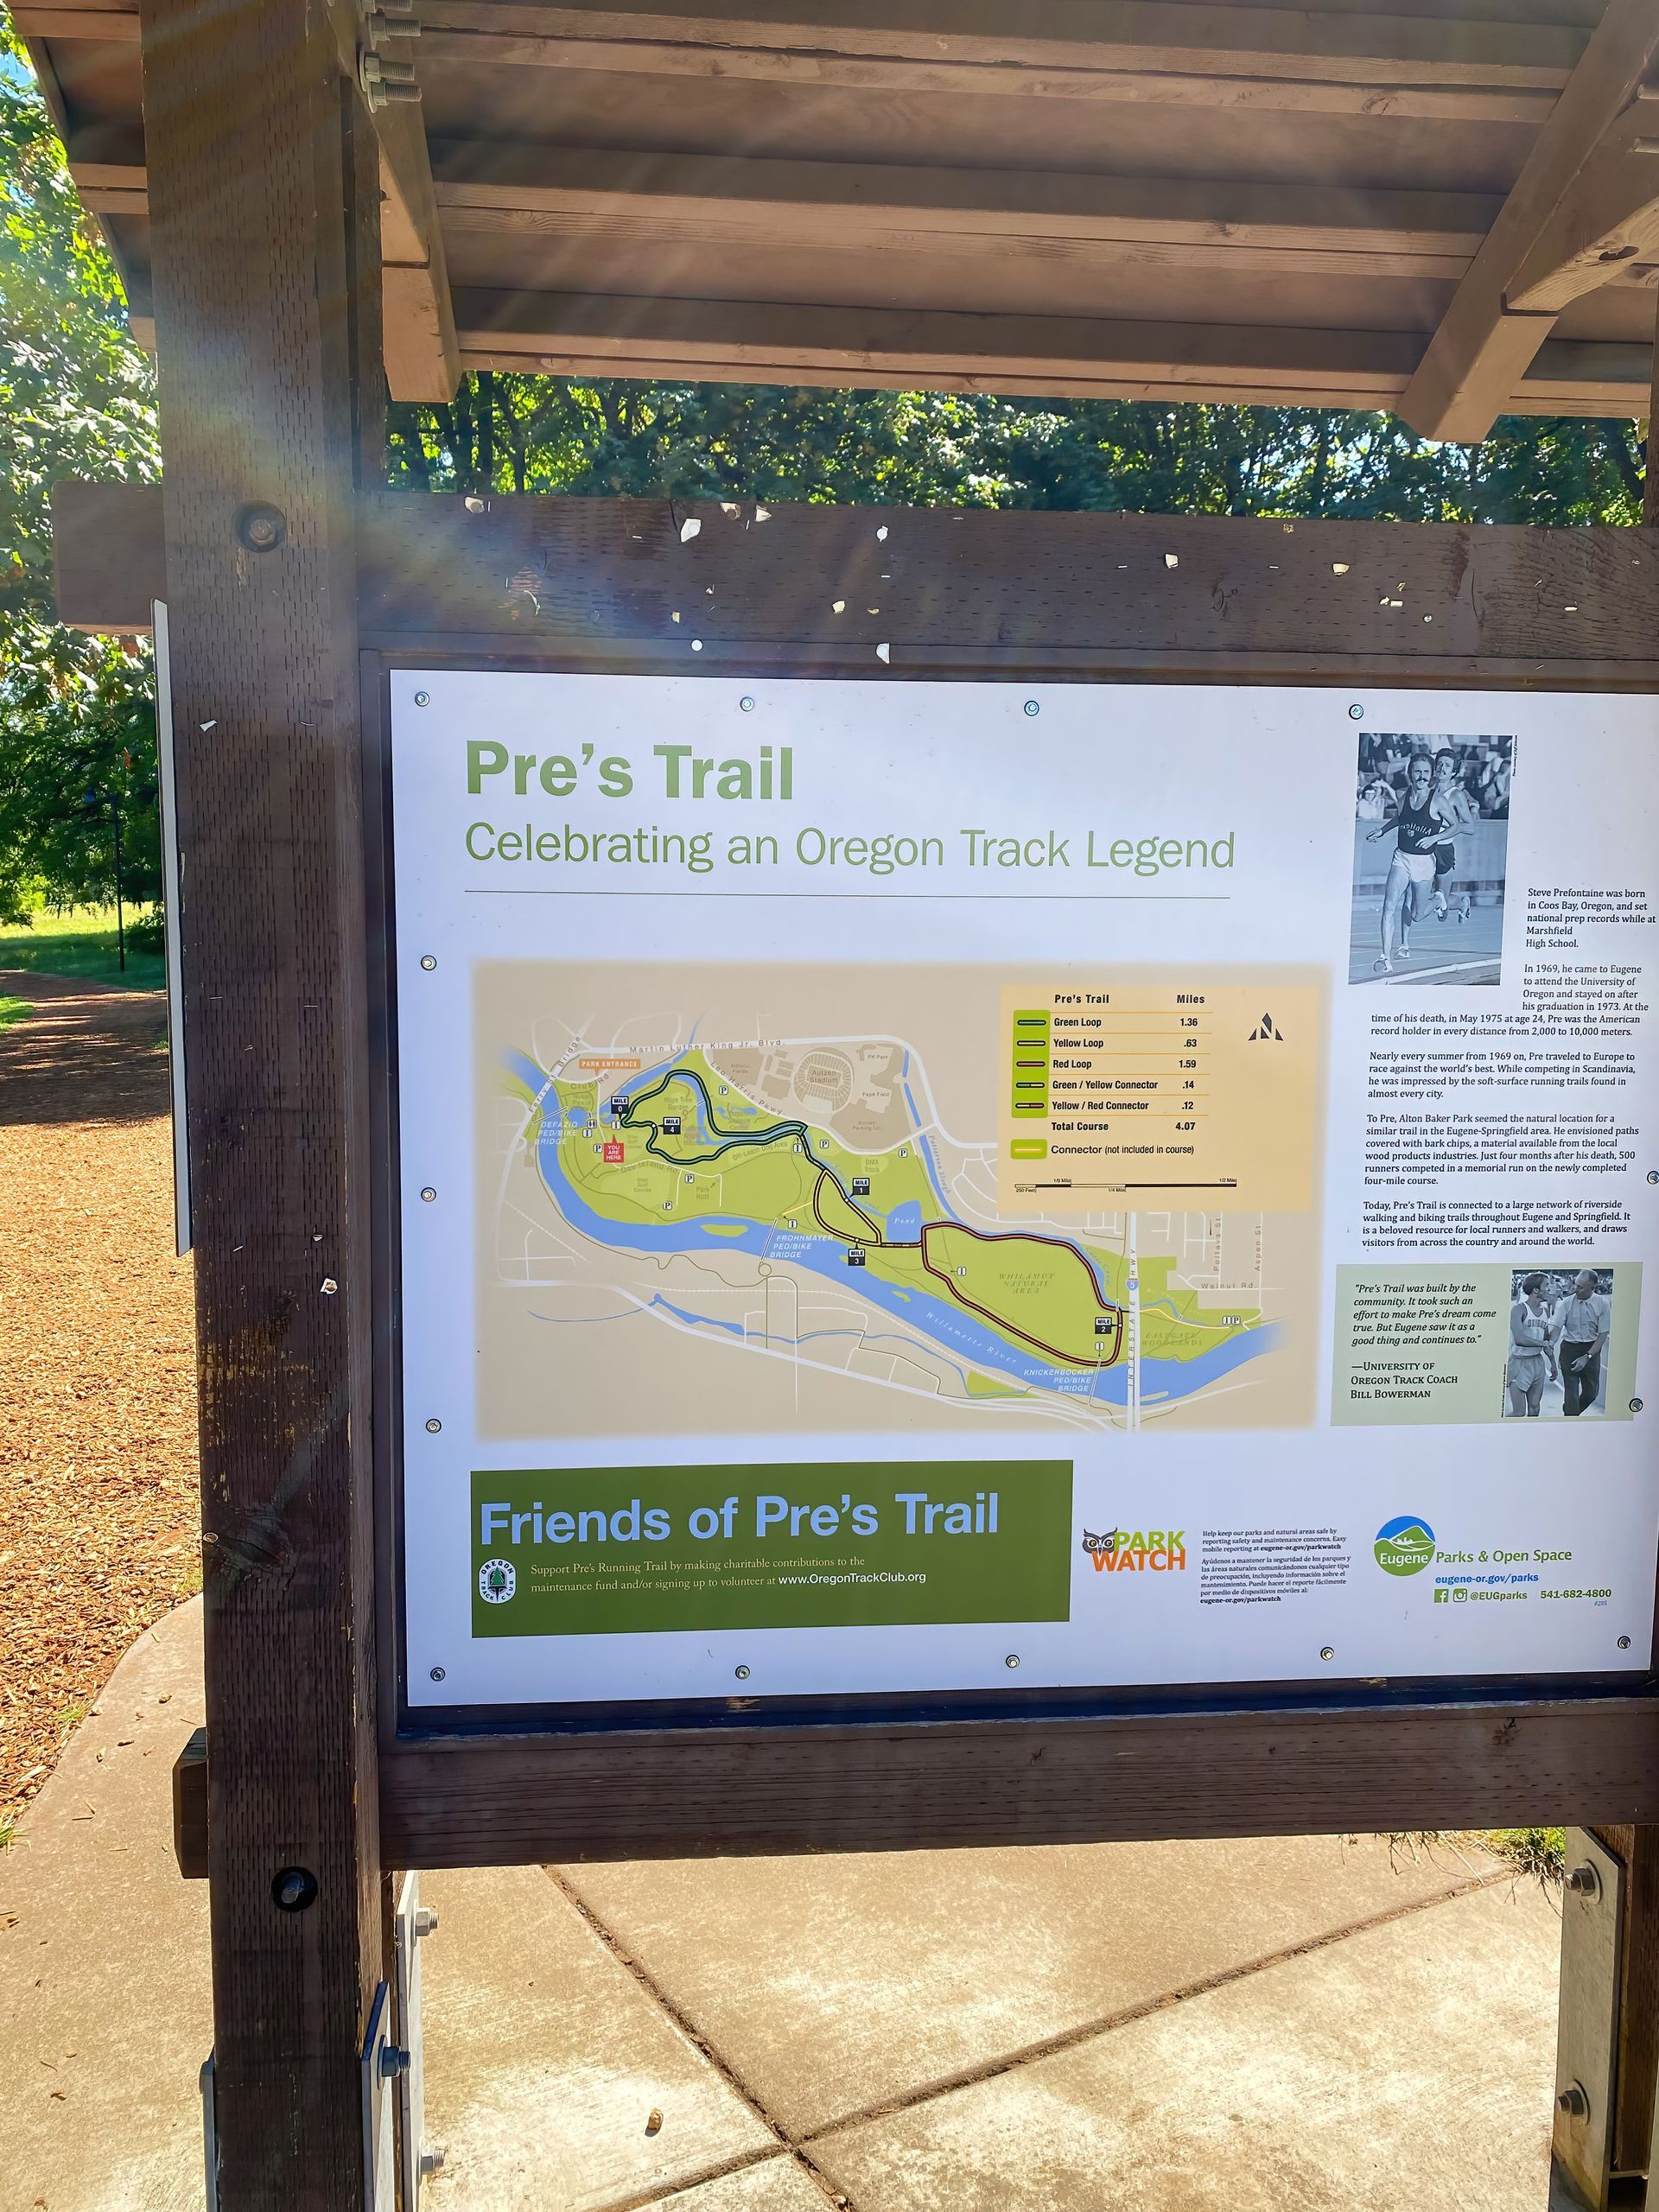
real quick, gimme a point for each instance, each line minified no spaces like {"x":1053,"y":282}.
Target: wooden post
{"x":1650,"y":479}
{"x":1636,"y":1998}
{"x":263,"y":200}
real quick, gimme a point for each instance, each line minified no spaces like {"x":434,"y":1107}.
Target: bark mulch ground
{"x":98,"y":1449}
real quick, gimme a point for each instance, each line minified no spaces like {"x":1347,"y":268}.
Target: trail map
{"x":803,"y":1200}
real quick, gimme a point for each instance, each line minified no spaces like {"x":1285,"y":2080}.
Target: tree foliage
{"x":76,"y":399}
{"x":537,"y":434}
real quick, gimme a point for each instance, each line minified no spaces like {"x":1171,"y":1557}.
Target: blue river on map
{"x":948,"y":1325}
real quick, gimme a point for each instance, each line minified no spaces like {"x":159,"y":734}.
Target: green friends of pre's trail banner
{"x":603,"y":1550}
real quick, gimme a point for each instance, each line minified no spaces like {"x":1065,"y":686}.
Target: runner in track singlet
{"x":1456,"y":811}
{"x":1417,"y":829}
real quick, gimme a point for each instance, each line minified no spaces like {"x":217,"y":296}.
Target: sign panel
{"x":919,"y":1187}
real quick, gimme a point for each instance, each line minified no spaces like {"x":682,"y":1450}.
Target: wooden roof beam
{"x":422,"y":356}
{"x":758,"y":342}
{"x":1609,"y":215}
{"x":567,"y":191}
{"x":1036,"y":356}
{"x":1566,"y":198}
{"x":1153,"y":50}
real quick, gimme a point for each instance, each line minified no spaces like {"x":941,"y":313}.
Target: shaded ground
{"x":98,"y":1483}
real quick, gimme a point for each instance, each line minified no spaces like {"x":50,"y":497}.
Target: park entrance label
{"x":902,"y":1182}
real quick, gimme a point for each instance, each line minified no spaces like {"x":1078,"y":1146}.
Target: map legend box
{"x":1144,"y":1095}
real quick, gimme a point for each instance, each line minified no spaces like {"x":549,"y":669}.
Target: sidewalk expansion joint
{"x":1087,"y":2030}
{"x":783,"y":2141}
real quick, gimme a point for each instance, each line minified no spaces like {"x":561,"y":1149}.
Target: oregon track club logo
{"x":497,"y":1580}
{"x":1404,"y":1545}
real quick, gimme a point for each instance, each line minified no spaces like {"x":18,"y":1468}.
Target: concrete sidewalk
{"x":1171,"y":2027}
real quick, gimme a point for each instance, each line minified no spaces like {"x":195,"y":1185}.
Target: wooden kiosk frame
{"x":293,"y":581}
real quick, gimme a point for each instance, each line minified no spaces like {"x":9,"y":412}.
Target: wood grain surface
{"x":729,"y":1789}
{"x":264,"y":196}
{"x":973,"y":591}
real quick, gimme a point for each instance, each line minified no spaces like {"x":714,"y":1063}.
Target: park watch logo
{"x":1139,"y":1551}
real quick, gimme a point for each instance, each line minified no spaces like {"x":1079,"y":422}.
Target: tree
{"x":604,"y":437}
{"x":76,"y":399}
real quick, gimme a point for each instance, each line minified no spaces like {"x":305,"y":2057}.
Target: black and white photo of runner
{"x":1560,"y":1320}
{"x":1431,"y":841}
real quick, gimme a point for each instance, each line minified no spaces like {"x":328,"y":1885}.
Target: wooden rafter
{"x":628,"y":237}
{"x":422,"y":358}
{"x":558,"y":191}
{"x":1609,"y":215}
{"x":602,"y":334}
{"x":1547,"y":239}
{"x":1135,"y":50}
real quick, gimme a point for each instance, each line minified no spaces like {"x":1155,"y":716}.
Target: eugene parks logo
{"x":1138,"y":1551}
{"x":497,"y":1580}
{"x":1404,"y":1545}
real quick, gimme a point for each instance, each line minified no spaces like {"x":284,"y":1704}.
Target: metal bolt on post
{"x":385,"y":82}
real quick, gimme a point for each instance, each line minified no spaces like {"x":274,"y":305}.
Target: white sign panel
{"x":914,"y":1186}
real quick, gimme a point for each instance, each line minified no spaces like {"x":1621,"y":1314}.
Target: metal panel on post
{"x":264,"y":202}
{"x":1593,"y":1922}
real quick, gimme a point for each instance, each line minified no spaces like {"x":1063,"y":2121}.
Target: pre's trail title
{"x":679,"y":773}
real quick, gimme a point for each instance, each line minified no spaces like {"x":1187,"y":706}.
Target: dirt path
{"x":97,"y":1479}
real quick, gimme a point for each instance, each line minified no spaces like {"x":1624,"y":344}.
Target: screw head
{"x":394,"y":2061}
{"x":745,"y":704}
{"x":1033,"y":706}
{"x":429,"y":1194}
{"x":1583,"y":1881}
{"x":1013,"y":1659}
{"x":427,"y":962}
{"x":329,"y":1286}
{"x":1356,"y":714}
{"x":743,"y":1674}
{"x":433,"y":1426}
{"x":1636,"y":1405}
{"x":293,"y":1888}
{"x":1653,"y":1175}
{"x":261,"y":527}
{"x":422,"y":698}
{"x":435,"y":1674}
{"x":1574,"y":2102}
{"x":1624,"y":1643}
{"x":1327,"y":1651}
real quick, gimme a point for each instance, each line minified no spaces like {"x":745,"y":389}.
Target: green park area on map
{"x":687,"y":1148}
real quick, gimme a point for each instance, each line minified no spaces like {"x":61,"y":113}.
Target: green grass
{"x":82,"y":941}
{"x":1535,"y":1851}
{"x":13,"y":1010}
